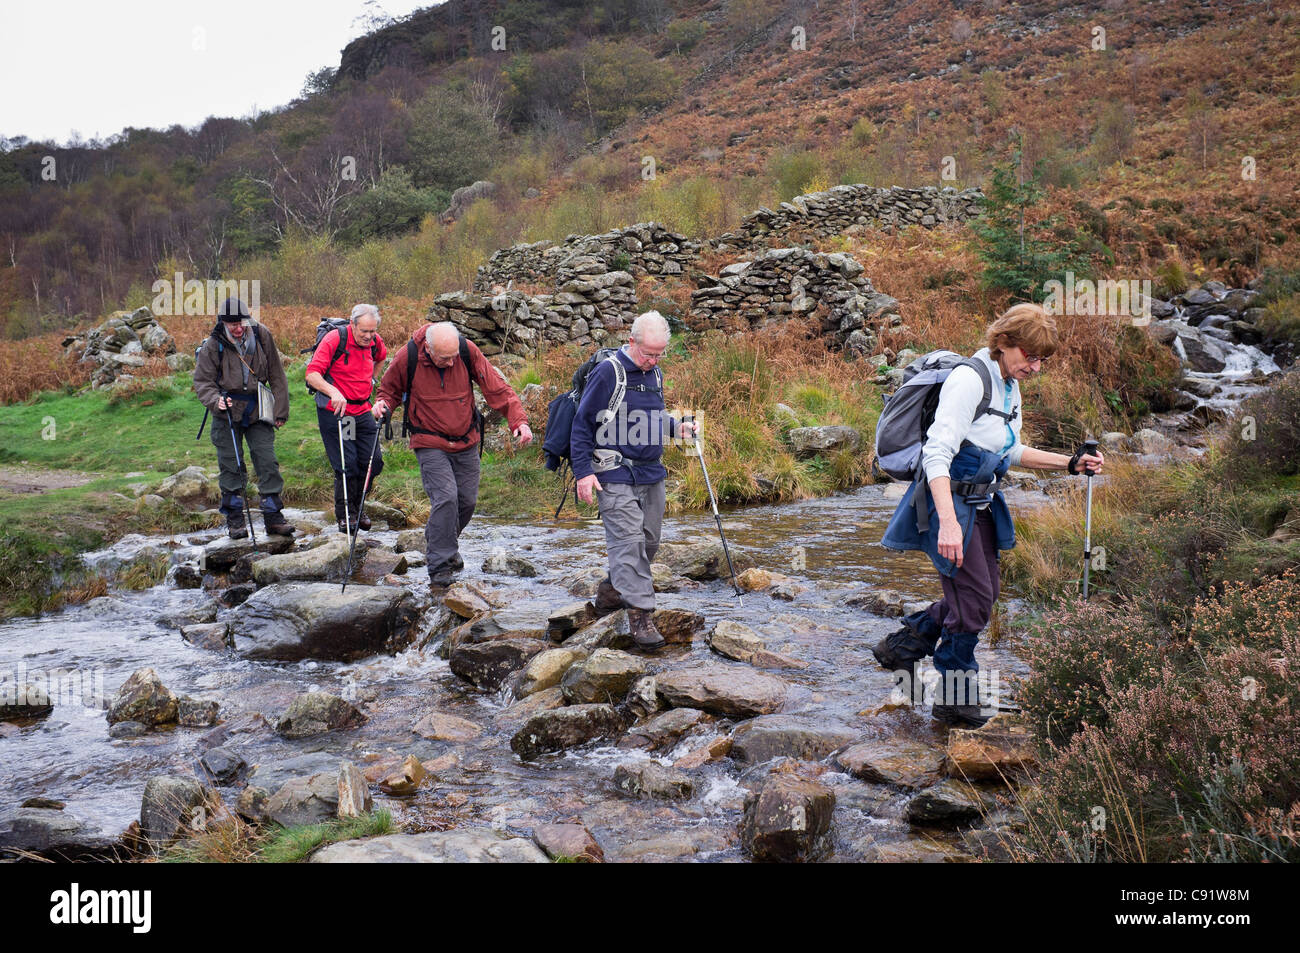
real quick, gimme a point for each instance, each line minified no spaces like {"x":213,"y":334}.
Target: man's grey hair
{"x":652,"y":322}
{"x":363,"y":309}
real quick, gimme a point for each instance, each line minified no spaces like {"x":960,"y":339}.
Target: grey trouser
{"x":633,"y":516}
{"x":451,"y":482}
{"x":260,"y":438}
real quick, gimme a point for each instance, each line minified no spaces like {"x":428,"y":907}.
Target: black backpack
{"x":478,"y":423}
{"x":341,"y":350}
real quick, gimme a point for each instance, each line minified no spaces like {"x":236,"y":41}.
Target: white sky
{"x":97,"y":66}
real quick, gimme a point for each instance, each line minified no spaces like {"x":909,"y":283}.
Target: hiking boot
{"x":439,"y":583}
{"x":276,"y":523}
{"x":607,"y":598}
{"x":644,"y":634}
{"x":361,"y":521}
{"x":903,"y":648}
{"x":347,"y":527}
{"x":456,"y":564}
{"x":236,"y":526}
{"x":965,"y":716}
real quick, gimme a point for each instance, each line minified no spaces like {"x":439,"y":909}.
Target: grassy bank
{"x":1167,"y":708}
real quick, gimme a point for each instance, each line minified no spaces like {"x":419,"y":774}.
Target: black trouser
{"x":360,"y":437}
{"x":260,"y":438}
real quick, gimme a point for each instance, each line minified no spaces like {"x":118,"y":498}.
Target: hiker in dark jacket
{"x":618,"y":457}
{"x":967,"y":528}
{"x":342,"y":371}
{"x":444,"y":431}
{"x":239,"y":354}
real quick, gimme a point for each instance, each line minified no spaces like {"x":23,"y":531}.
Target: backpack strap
{"x":477,"y":422}
{"x":620,"y":383}
{"x":986,"y":402}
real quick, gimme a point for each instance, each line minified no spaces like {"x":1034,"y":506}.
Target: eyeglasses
{"x":1033,"y":358}
{"x":653,"y":355}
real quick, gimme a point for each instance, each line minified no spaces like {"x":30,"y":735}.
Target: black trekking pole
{"x":1089,"y":448}
{"x":365,"y":488}
{"x":239,"y":461}
{"x":713,"y":500}
{"x":204,"y":423}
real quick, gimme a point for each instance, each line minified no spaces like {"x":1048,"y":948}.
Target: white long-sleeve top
{"x":954,"y":418}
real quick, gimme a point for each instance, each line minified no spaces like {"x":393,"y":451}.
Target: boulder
{"x":643,"y":699}
{"x":293,"y":621}
{"x":464,"y":601}
{"x":663,"y":730}
{"x":327,"y":561}
{"x":564,"y":728}
{"x":649,"y":779}
{"x":545,"y":669}
{"x":221,"y":555}
{"x":464,"y":197}
{"x":391,"y":515}
{"x":196,"y":712}
{"x":439,"y":726}
{"x":604,"y":676}
{"x":566,"y":620}
{"x":171,"y":804}
{"x":25,"y":700}
{"x":810,"y":441}
{"x":473,"y":845}
{"x":734,"y":692}
{"x":300,"y":801}
{"x":948,"y":804}
{"x":735,"y":640}
{"x":678,"y":626}
{"x":315,"y":713}
{"x":53,"y":832}
{"x":223,"y":765}
{"x":1001,"y":748}
{"x":143,"y":698}
{"x":354,"y":791}
{"x":1150,"y":441}
{"x":753,"y":580}
{"x":378,"y":564}
{"x":487,"y":665}
{"x":788,"y":820}
{"x":568,"y":842}
{"x":409,"y":540}
{"x":702,"y":561}
{"x":610,"y":632}
{"x":406,"y":780}
{"x":908,"y":764}
{"x":209,"y":635}
{"x":190,"y":486}
{"x":508,"y":564}
{"x":803,"y":737}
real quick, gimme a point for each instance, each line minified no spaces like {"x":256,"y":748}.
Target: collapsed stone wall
{"x":650,"y":249}
{"x":782,"y":283}
{"x":121,"y":344}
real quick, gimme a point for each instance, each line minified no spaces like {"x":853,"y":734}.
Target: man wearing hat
{"x":237,"y":356}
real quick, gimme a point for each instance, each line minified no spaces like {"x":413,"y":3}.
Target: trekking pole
{"x":365,"y":488}
{"x":343,"y":465}
{"x":1090,"y":448}
{"x":239,"y":462}
{"x":204,"y":423}
{"x":713,"y":501}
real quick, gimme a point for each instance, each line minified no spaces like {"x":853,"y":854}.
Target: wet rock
{"x":327,"y":561}
{"x":53,"y":832}
{"x":473,"y":845}
{"x":678,"y":626}
{"x":566,"y":620}
{"x":222,"y":765}
{"x":810,"y":441}
{"x":196,"y":712}
{"x":604,"y":676}
{"x":145,"y":699}
{"x":252,"y":804}
{"x":702,"y":561}
{"x":610,"y":632}
{"x":948,"y":804}
{"x":210,"y":636}
{"x":391,"y":515}
{"x":439,"y":726}
{"x":1002,"y":748}
{"x":127,"y":729}
{"x":186,"y":576}
{"x":663,"y":579}
{"x":886,"y":602}
{"x":649,"y":779}
{"x":663,"y":730}
{"x":409,"y":540}
{"x":237,"y":594}
{"x":584,"y":582}
{"x":354,"y":792}
{"x":190,"y":486}
{"x":568,"y":842}
{"x":379,"y":563}
{"x":293,"y":621}
{"x":788,"y":820}
{"x":734,"y":692}
{"x":914,"y":850}
{"x":487,"y":665}
{"x":301,"y":801}
{"x":315,"y":713}
{"x":643,"y":698}
{"x":715,"y":750}
{"x":900,"y":762}
{"x":753,"y":580}
{"x":565,"y":728}
{"x":508,"y":564}
{"x":170,"y":806}
{"x":1150,"y":441}
{"x":464,"y":601}
{"x":547,"y":699}
{"x":806,"y":738}
{"x":406,"y":780}
{"x":545,"y":669}
{"x":787,"y":591}
{"x":222,"y":554}
{"x":735,"y":640}
{"x":25,"y":700}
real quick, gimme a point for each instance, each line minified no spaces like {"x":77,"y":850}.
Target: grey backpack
{"x":909,"y":411}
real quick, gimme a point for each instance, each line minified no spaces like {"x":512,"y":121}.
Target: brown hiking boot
{"x":277,"y":524}
{"x":644,"y":633}
{"x":607,"y":598}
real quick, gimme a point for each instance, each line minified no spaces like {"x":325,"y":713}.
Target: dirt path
{"x":19,"y":480}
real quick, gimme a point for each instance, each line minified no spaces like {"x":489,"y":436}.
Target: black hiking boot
{"x":957,"y":702}
{"x":361,"y":521}
{"x":903,"y":648}
{"x":607,"y":598}
{"x":644,"y":634}
{"x":961,"y":716}
{"x":456,"y":564}
{"x":276,"y":523}
{"x":236,"y":525}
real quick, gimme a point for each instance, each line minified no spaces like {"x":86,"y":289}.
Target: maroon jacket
{"x":444,"y":401}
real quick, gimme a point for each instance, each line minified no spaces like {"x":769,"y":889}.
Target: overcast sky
{"x":97,"y":66}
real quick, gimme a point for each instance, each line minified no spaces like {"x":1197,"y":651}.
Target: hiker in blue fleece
{"x":968,"y":520}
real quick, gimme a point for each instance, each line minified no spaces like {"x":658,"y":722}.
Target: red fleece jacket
{"x":353,"y":373}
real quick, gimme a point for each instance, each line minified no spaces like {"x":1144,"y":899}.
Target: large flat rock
{"x":735,"y":692}
{"x":298,"y":620}
{"x":474,"y":845}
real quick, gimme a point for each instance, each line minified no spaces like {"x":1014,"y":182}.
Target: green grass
{"x":240,"y":842}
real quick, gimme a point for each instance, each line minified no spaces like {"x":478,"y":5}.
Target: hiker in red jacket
{"x":342,"y":371}
{"x":436,"y":370}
